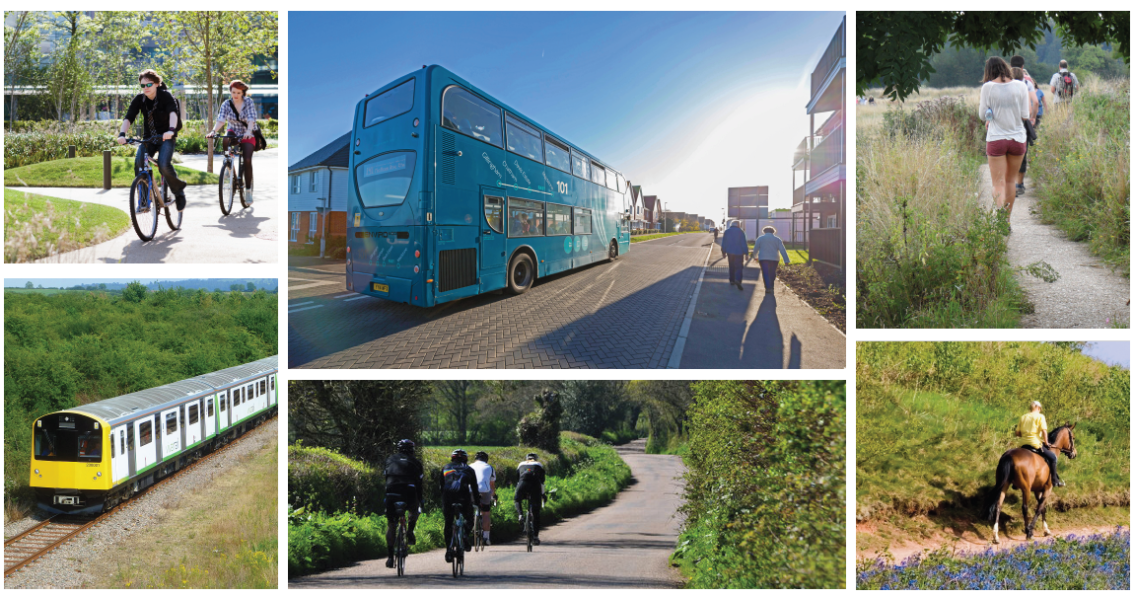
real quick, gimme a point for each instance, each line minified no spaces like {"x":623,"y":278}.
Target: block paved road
{"x":625,"y":314}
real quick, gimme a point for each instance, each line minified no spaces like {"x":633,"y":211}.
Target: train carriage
{"x":91,"y":457}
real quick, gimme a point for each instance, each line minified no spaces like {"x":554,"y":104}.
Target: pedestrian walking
{"x":735,"y":248}
{"x":1064,"y":84}
{"x":715,"y":234}
{"x":1030,"y":133}
{"x":1005,"y":106}
{"x":766,"y":249}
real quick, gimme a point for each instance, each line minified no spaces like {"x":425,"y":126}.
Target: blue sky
{"x":68,"y":282}
{"x":1112,"y":353}
{"x":685,"y":104}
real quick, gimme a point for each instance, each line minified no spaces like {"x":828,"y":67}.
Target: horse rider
{"x":1033,"y":428}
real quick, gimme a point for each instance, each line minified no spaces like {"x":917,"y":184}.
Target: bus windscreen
{"x":385,"y":179}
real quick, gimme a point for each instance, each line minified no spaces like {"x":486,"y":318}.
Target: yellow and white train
{"x":91,"y":457}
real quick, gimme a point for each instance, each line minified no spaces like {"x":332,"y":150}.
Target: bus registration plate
{"x":380,"y":287}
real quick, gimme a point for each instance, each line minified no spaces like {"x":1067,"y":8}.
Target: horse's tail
{"x":1004,"y":469}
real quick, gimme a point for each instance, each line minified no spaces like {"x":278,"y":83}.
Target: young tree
{"x":20,"y":48}
{"x":117,"y":43}
{"x":458,"y":399}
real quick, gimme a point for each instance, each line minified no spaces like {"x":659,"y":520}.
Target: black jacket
{"x":404,"y":469}
{"x":468,"y":482}
{"x":159,"y":109}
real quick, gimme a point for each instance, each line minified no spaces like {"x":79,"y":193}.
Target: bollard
{"x":106,"y":170}
{"x":71,"y":151}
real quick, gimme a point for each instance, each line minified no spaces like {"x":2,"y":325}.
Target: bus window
{"x":579,"y":166}
{"x":559,"y":219}
{"x":385,"y":179}
{"x":494,"y":212}
{"x":598,"y":174}
{"x":622,"y":183}
{"x":582,"y":221}
{"x":470,"y":115}
{"x":523,"y":140}
{"x":611,"y":181}
{"x":557,"y":155}
{"x":525,"y":218}
{"x":389,"y":104}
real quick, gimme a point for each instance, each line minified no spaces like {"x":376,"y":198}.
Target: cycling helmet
{"x":460,"y":455}
{"x":533,"y":456}
{"x":406,"y":446}
{"x":482,"y":456}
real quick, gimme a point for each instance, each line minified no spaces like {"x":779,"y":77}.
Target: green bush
{"x":765,"y":505}
{"x":325,"y":481}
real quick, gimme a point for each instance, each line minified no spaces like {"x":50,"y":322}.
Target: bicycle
{"x":232,"y":176}
{"x":146,"y":204}
{"x":401,"y":548}
{"x":457,"y":544}
{"x":529,"y":526}
{"x":478,"y":533}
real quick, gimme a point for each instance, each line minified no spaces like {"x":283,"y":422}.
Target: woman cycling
{"x":1005,"y":108}
{"x":239,"y":112}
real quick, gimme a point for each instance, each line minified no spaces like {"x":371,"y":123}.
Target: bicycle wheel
{"x":226,"y":189}
{"x":173,"y":216}
{"x":478,"y":535}
{"x":400,"y":548}
{"x":240,"y":183}
{"x":143,"y":212}
{"x":528,"y":527}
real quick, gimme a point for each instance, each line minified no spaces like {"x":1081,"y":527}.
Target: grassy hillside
{"x":932,"y":419}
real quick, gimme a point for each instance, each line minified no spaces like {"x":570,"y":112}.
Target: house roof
{"x":335,"y":154}
{"x":648,"y":201}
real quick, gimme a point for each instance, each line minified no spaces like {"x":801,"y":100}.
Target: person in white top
{"x":1064,"y":84}
{"x":1005,"y":108}
{"x":487,"y":485}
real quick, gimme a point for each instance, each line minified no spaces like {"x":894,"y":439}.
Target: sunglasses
{"x":147,"y":85}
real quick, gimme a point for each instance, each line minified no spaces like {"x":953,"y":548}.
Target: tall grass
{"x":36,"y":226}
{"x":929,"y":255}
{"x":1081,"y":168}
{"x":932,"y":419}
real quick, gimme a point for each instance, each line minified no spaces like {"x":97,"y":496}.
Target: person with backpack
{"x":531,"y":488}
{"x":1042,"y":104}
{"x":404,"y":476}
{"x":487,"y":486}
{"x":161,"y":118}
{"x":458,"y":491}
{"x":1064,"y":84}
{"x":239,"y":111}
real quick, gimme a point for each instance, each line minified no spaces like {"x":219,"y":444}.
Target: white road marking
{"x":300,"y":304}
{"x":312,"y":285}
{"x":357,"y":298}
{"x":345,"y":295}
{"x":684,"y":332}
{"x":304,"y":309}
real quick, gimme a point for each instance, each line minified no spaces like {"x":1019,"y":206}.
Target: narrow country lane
{"x":625,"y":544}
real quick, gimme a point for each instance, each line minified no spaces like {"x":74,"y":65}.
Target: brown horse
{"x":1028,"y":471}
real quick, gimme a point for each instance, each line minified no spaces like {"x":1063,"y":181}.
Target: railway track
{"x":40,"y":540}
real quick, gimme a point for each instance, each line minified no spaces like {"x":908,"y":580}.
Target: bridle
{"x":1069,"y":451}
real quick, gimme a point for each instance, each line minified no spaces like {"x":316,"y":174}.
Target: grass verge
{"x":87,"y":172}
{"x":36,"y":226}
{"x":640,"y":238}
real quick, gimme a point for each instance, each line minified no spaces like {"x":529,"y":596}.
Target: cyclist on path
{"x":487,"y":487}
{"x":1033,"y":428}
{"x":458,"y":490}
{"x":404,"y":476}
{"x":239,"y":111}
{"x":531,"y":487}
{"x":160,"y":118}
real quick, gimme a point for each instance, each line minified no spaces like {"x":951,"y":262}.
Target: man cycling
{"x":458,"y":490}
{"x":531,"y":487}
{"x":404,"y":476}
{"x":160,"y":118}
{"x":487,"y":486}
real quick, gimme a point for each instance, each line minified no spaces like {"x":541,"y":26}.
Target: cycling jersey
{"x":485,"y":475}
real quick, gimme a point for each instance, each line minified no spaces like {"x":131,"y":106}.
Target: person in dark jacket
{"x":735,"y":247}
{"x":531,"y":488}
{"x":458,"y":490}
{"x":160,"y":119}
{"x":404,"y":475}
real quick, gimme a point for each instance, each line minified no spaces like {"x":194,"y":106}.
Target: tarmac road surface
{"x":625,"y":544}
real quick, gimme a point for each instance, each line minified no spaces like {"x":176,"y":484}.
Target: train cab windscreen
{"x":68,"y":438}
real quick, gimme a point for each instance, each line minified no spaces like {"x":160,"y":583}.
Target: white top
{"x":485,"y":473}
{"x":1010,"y":103}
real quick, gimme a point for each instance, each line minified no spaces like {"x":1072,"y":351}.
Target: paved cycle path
{"x":244,"y":236}
{"x":1088,"y":295}
{"x":622,"y":545}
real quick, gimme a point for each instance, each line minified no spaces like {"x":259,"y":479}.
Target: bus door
{"x":492,"y":229}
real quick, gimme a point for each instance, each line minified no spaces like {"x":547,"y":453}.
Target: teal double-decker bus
{"x":452,"y":193}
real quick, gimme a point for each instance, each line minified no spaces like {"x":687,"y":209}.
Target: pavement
{"x":625,"y":544}
{"x":245,"y":236}
{"x":1088,"y":294}
{"x":624,"y":314}
{"x":752,"y":329}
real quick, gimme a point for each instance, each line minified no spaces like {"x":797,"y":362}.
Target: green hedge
{"x":270,"y":126}
{"x":318,"y":541}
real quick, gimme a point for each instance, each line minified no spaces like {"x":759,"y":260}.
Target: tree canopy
{"x":894,"y":49}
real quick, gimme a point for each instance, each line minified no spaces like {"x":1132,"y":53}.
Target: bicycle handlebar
{"x":133,"y":141}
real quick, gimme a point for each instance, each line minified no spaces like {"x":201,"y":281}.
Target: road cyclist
{"x":458,"y":494}
{"x":404,"y":475}
{"x":487,"y":487}
{"x":530,"y":487}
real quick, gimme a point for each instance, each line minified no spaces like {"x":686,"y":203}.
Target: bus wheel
{"x":521,"y":274}
{"x":613,"y":251}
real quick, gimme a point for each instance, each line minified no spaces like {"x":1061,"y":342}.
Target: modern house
{"x":652,"y":209}
{"x":317,"y":197}
{"x":638,"y":212}
{"x":819,"y":165}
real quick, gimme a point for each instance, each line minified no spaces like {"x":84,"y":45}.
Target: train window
{"x":181,"y":415}
{"x":90,"y":445}
{"x":385,"y":179}
{"x":470,"y":115}
{"x":582,"y":221}
{"x":224,"y":401}
{"x":263,"y":386}
{"x":273,"y":386}
{"x":121,"y":443}
{"x":622,"y":183}
{"x":130,"y":437}
{"x":389,"y":103}
{"x":523,"y":139}
{"x":194,"y":414}
{"x":494,"y":212}
{"x":579,"y":166}
{"x":112,"y":447}
{"x":557,"y":155}
{"x":209,"y":408}
{"x":525,"y":218}
{"x":145,"y":433}
{"x":171,"y":423}
{"x":598,"y":174}
{"x":559,"y":219}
